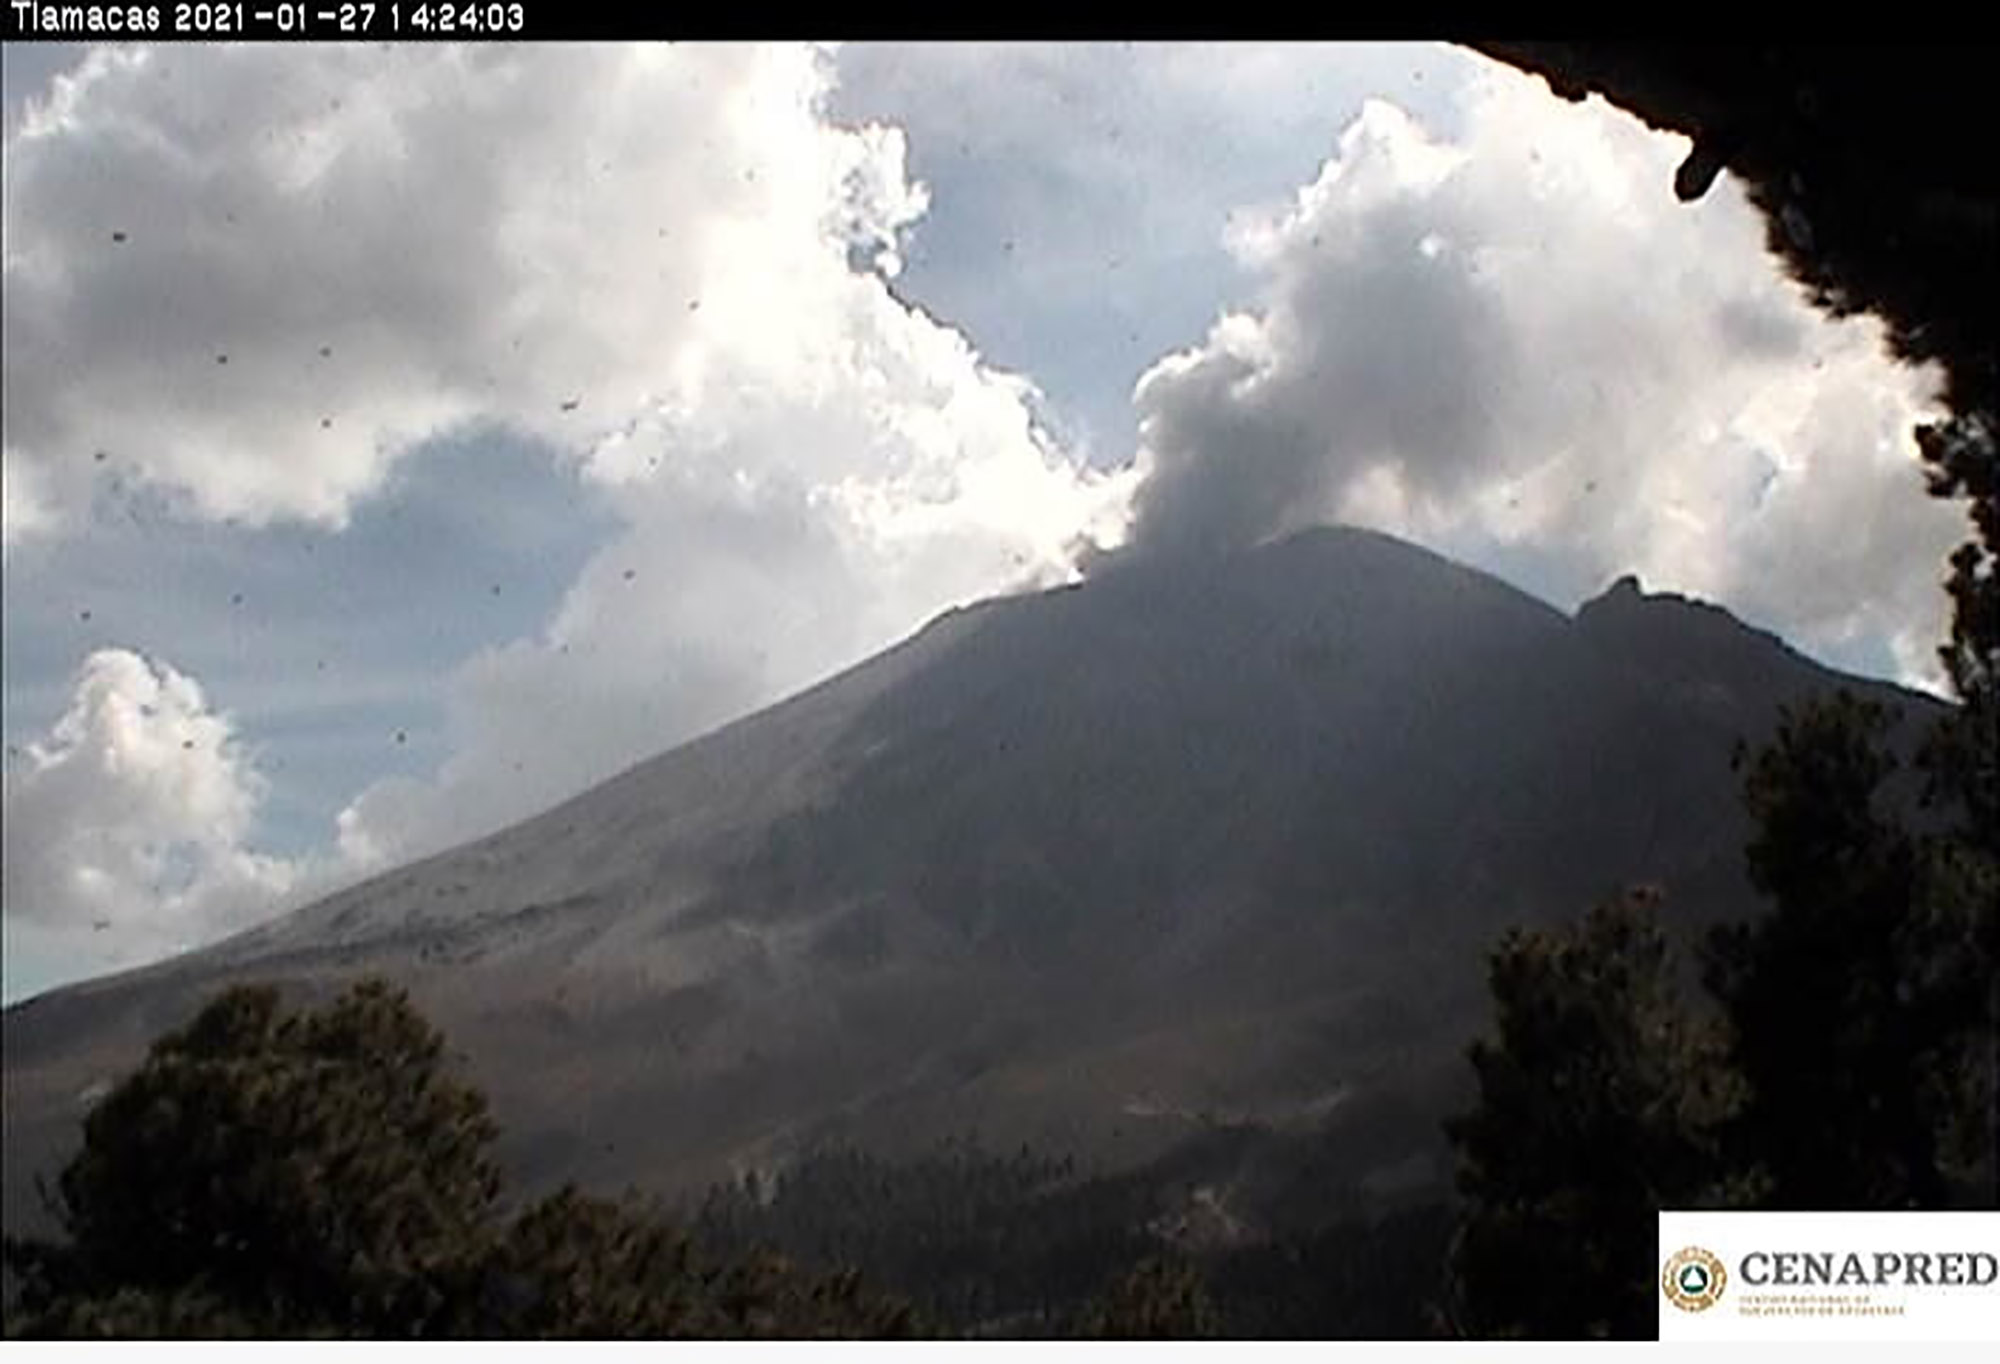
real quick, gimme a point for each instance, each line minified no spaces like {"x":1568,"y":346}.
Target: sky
{"x":398,"y":440}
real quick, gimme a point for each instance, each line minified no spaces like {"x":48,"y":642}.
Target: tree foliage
{"x":1004,"y":1243}
{"x":1599,"y":1099}
{"x":1837,"y":1064}
{"x":974,"y":1237}
{"x":1843,"y":999}
{"x":1159,"y":1299}
{"x":320,"y":1168}
{"x":576,"y":1266}
{"x":322,"y":1172}
{"x":1963,"y":762}
{"x":294,"y":1172}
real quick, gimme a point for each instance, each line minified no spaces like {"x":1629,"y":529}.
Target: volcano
{"x":1205,"y":844}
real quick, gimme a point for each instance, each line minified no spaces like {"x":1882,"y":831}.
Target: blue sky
{"x":400,"y":440}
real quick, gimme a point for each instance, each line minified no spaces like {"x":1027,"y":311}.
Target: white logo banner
{"x":1829,"y":1276}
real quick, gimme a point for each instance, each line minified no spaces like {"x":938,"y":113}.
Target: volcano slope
{"x":1203,"y":845}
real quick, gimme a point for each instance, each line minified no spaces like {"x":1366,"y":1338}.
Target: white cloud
{"x":674,"y":269}
{"x":126,"y":826}
{"x":1518,"y":338}
{"x":1079,"y":188}
{"x":665,"y":261}
{"x":24,"y":504}
{"x":258,"y":276}
{"x":807,"y":510}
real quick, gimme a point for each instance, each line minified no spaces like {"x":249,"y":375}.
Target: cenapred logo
{"x":1693,"y":1279}
{"x":1751,"y":1275}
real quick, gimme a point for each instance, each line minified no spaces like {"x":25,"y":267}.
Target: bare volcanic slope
{"x":1210,"y":842}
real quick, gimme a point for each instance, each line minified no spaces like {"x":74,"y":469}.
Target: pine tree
{"x":1962,"y":761}
{"x":1837,"y":1011}
{"x":322,"y":1172}
{"x":318,"y":1170}
{"x":1598,"y":1098}
{"x":1161,"y":1298}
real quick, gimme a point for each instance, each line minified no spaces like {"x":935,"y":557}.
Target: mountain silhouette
{"x":1204,"y":845}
